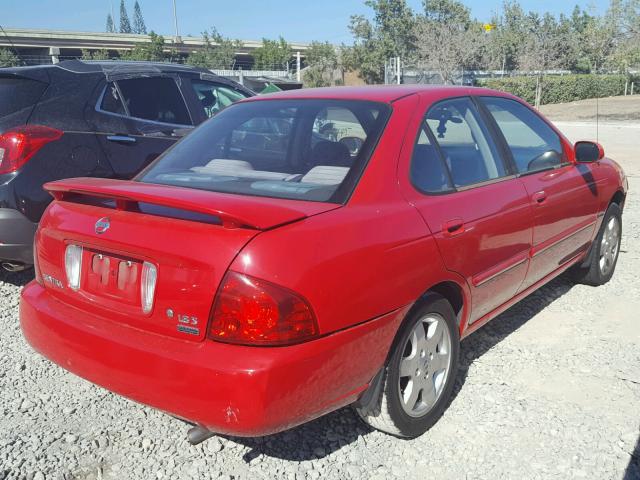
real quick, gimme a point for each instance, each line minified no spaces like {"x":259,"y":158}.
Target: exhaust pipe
{"x":198,"y":434}
{"x":14,"y":267}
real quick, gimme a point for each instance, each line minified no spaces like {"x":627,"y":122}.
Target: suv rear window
{"x":298,"y":149}
{"x":19,"y":93}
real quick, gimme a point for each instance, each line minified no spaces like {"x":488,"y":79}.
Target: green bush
{"x":560,"y":89}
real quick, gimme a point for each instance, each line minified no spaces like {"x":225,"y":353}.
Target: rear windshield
{"x":298,"y":149}
{"x":18,"y":93}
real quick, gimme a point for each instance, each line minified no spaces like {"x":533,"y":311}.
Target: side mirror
{"x":588,"y":152}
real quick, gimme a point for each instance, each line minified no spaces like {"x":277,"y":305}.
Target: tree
{"x":506,"y":41}
{"x":390,"y":34}
{"x":95,"y":54}
{"x":153,"y":51}
{"x":139,"y":26}
{"x":110,"y":28}
{"x":8,"y":58}
{"x":322,"y":61}
{"x":597,"y":43}
{"x":217,"y":52}
{"x":272,"y":55}
{"x":623,"y":23}
{"x":543,"y":46}
{"x":447,"y":11}
{"x":447,"y":38}
{"x":125,"y":25}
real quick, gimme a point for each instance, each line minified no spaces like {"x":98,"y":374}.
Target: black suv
{"x":96,"y":119}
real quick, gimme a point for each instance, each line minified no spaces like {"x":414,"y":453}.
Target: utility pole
{"x":298,"y":66}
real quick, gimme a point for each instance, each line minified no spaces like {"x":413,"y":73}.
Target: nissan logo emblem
{"x":102,"y":225}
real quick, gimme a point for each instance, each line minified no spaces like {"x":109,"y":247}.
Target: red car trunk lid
{"x":155,"y":224}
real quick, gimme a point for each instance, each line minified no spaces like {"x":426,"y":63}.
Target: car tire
{"x":603,"y":255}
{"x":420,"y":371}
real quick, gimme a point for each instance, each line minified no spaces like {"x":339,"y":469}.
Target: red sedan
{"x":314,"y":249}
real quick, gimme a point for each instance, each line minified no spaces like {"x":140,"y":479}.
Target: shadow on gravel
{"x":19,"y":279}
{"x":480,"y":342}
{"x":633,"y":469}
{"x":313,"y":440}
{"x":331,"y":432}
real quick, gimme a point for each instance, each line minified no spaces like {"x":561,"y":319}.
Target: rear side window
{"x":534,"y":145}
{"x":19,"y":93}
{"x":298,"y":149}
{"x":214,"y":96}
{"x":428,"y":171}
{"x":467,"y":148}
{"x":111,"y":101}
{"x":157,"y":99}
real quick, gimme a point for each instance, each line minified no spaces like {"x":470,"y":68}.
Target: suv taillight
{"x":18,"y":145}
{"x":249,"y":311}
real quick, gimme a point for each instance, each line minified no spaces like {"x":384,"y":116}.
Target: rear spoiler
{"x":234,"y":211}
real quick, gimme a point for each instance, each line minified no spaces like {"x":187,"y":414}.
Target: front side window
{"x":214,"y":96}
{"x":277,"y":148}
{"x":157,"y":99}
{"x":534,"y":145}
{"x":468,"y":150}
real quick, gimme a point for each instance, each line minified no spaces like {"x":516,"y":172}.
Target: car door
{"x":138,"y":119}
{"x":477,"y":210}
{"x":563,"y":194}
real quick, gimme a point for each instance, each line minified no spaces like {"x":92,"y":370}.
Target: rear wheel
{"x":605,"y":249}
{"x":420,"y":372}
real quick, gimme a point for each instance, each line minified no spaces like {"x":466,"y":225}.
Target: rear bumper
{"x":236,"y":390}
{"x":16,"y":236}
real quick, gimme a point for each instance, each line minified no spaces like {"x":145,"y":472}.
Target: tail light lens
{"x":255,"y":312}
{"x":73,"y":265}
{"x":148,"y":285}
{"x":18,"y":145}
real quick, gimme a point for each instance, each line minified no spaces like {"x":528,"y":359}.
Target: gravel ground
{"x":550,"y":389}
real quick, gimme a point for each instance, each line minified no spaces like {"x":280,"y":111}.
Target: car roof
{"x":119,"y":69}
{"x":111,"y":67}
{"x":123,"y":66}
{"x":377,"y":93}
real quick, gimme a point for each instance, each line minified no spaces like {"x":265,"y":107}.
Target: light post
{"x":175,"y":21}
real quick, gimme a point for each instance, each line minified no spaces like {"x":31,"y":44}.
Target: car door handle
{"x":539,"y":197}
{"x":121,"y":139}
{"x":453,"y":227}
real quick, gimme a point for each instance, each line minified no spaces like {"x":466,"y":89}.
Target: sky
{"x":295,"y":20}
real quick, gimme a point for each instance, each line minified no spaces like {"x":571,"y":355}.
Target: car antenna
{"x":597,"y":120}
{"x":597,"y":117}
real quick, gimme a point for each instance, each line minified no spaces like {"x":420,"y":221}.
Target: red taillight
{"x":254,"y":312}
{"x":18,"y":145}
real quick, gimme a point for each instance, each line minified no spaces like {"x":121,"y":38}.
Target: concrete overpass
{"x":45,"y":46}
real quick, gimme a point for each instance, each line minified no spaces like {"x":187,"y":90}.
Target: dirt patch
{"x":610,"y":109}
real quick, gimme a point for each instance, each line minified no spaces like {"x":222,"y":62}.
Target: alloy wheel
{"x":425,"y":365}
